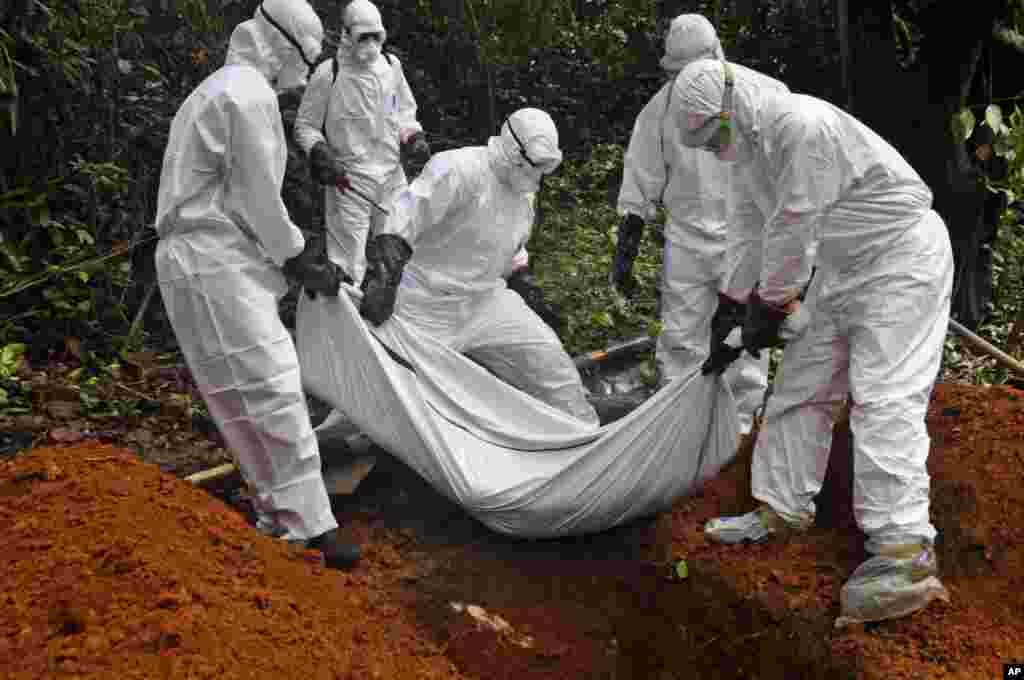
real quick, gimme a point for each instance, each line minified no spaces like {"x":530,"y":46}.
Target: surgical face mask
{"x":293,"y":74}
{"x":715,"y":133}
{"x":524,"y":179}
{"x":544,"y":167}
{"x":368,"y":48}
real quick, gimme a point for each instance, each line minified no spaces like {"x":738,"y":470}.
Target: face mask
{"x":367,"y":51}
{"x":292,"y":75}
{"x":523,"y":179}
{"x":740,"y":150}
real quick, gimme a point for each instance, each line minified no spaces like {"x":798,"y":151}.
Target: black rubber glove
{"x":314,"y":272}
{"x":631,"y":232}
{"x":728,"y":315}
{"x":762,"y":325}
{"x":416,"y":148}
{"x":327,"y":168}
{"x":386,"y":256}
{"x":523,"y":282}
{"x":721,"y":356}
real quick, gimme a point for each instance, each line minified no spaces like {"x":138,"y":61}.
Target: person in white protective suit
{"x":453,"y":236}
{"x":226,"y":246}
{"x":695,"y":189}
{"x":356,"y":117}
{"x":872,"y":326}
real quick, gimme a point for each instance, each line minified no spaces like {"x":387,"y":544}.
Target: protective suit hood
{"x":526,"y":149}
{"x":700,"y":88}
{"x":690,"y":37}
{"x":266,"y":47}
{"x":361,"y":17}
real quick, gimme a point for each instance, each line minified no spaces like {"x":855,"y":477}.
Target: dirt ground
{"x":114,"y":567}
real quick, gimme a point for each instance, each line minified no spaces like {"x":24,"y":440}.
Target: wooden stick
{"x":982,"y":345}
{"x":212,"y":474}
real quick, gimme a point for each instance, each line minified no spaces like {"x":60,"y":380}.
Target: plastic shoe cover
{"x":752,"y":527}
{"x":266,"y":525}
{"x":891,"y":585}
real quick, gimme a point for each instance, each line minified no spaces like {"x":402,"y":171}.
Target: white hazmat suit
{"x":467,"y":218}
{"x":365,"y":114}
{"x":878,"y":307}
{"x":695,"y":190}
{"x":224,"y":234}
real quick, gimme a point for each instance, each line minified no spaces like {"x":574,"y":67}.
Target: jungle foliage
{"x":88,"y":89}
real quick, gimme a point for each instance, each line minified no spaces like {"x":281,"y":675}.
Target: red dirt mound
{"x":113,"y":569}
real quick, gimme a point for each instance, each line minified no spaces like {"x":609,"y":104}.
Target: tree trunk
{"x":953,"y":45}
{"x":917,"y":120}
{"x":842,"y":13}
{"x":872,"y":67}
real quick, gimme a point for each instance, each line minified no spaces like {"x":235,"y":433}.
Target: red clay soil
{"x":114,"y":569}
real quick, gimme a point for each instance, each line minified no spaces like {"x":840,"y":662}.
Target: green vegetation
{"x":88,"y":89}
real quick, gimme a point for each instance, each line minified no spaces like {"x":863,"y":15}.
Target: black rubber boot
{"x":337,"y":553}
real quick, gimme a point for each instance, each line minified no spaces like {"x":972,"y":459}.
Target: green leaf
{"x":962,"y":125}
{"x":12,"y":351}
{"x":994,"y":118}
{"x":152,"y":72}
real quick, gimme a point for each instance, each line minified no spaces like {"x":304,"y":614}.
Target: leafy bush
{"x":571,"y":251}
{"x":1005,"y":325}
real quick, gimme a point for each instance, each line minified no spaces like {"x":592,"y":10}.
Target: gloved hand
{"x":728,"y":315}
{"x":762,"y":325}
{"x":314,"y":272}
{"x":523,"y":282}
{"x":327,"y":168}
{"x":721,"y":356}
{"x":796,"y":322}
{"x":631,"y":232}
{"x":416,"y":148}
{"x":386,"y":256}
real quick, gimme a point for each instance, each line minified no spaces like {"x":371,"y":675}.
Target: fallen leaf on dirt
{"x":31,"y":423}
{"x":143,"y":437}
{"x":140,"y":365}
{"x":177,"y":405}
{"x":62,"y":410}
{"x":494,"y":622}
{"x":66,"y":436}
{"x":73,"y":346}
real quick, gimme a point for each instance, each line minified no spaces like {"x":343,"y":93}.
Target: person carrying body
{"x":356,"y":116}
{"x":226,"y":246}
{"x":699,"y":263}
{"x":454,"y":234}
{"x":872,"y":326}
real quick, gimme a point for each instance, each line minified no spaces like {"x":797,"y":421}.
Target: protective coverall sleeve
{"x":644,"y":174}
{"x":807,"y":183}
{"x":258,"y":161}
{"x":309,"y":121}
{"x":406,"y":105}
{"x":433,"y":195}
{"x":746,"y":236}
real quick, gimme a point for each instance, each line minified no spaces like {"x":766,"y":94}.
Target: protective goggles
{"x":716,"y":133}
{"x":375,"y":36}
{"x":546,"y":167}
{"x":290,"y":38}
